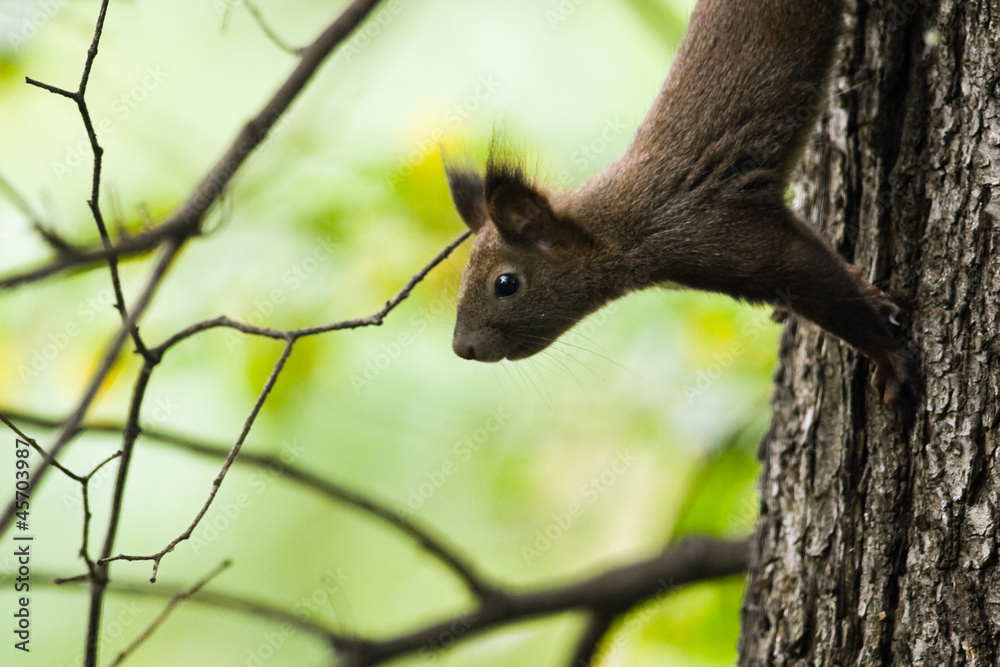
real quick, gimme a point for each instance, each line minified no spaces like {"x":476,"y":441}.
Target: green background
{"x":660,"y":397}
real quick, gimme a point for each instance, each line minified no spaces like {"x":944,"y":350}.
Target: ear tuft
{"x":521,"y":211}
{"x":466,"y":187}
{"x":503,"y":167}
{"x":514,"y":204}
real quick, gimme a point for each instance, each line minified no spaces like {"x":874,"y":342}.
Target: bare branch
{"x":268,"y":31}
{"x":227,"y":464}
{"x":99,"y":570}
{"x":423,"y":536}
{"x":605,"y":595}
{"x":87,"y":515}
{"x":692,"y":559}
{"x":590,"y":640}
{"x":375,"y":319}
{"x":89,"y":257}
{"x":175,"y":600}
{"x":156,"y":354}
{"x":55,"y":90}
{"x":218,"y":600}
{"x":111,"y":352}
{"x":20,"y":202}
{"x":38,"y":448}
{"x":186,"y":220}
{"x":79,"y":97}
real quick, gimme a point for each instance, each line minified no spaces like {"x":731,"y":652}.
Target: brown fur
{"x":697,"y":200}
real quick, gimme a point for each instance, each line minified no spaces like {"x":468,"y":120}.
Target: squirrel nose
{"x":463,"y":349}
{"x":460,"y":343}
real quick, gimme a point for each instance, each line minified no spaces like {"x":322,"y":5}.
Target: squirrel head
{"x":522,"y":287}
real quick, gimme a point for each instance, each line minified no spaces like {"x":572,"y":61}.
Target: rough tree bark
{"x":878,"y":545}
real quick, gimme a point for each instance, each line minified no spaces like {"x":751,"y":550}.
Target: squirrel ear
{"x":520,"y":211}
{"x":522,"y":215}
{"x":467,"y":192}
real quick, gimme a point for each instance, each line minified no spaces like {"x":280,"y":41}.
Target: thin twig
{"x":227,"y":464}
{"x":423,"y":536}
{"x":606,"y":594}
{"x":38,"y":448}
{"x":187,"y":218}
{"x":20,"y":202}
{"x":71,"y":424}
{"x":218,"y":600}
{"x":100,"y":571}
{"x":80,"y":98}
{"x":87,"y":515}
{"x":375,"y":319}
{"x":268,"y":31}
{"x":55,"y":90}
{"x":175,"y":600}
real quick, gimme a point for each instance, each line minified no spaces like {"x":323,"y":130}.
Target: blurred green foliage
{"x":661,"y":398}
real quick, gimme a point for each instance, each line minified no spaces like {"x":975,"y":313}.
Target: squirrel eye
{"x":506,"y":285}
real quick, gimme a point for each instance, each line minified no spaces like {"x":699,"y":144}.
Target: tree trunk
{"x":878,"y":545}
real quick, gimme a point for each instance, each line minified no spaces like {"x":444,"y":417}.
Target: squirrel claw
{"x":894,"y":379}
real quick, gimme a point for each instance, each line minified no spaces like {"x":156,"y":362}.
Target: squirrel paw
{"x":895,"y":380}
{"x":887,"y":310}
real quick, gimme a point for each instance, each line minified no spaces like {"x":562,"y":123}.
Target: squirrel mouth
{"x":526,"y":349}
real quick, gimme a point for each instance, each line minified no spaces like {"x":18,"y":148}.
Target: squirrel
{"x":697,"y":200}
